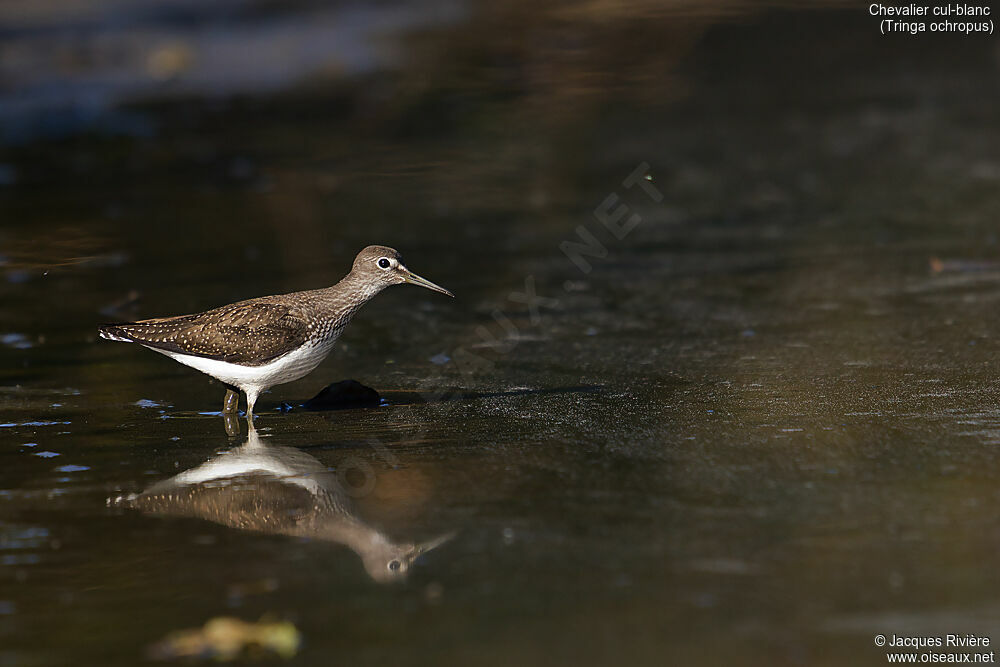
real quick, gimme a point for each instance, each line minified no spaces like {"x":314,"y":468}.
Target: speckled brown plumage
{"x":250,"y":332}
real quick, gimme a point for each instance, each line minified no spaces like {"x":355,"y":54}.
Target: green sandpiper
{"x":256,"y":344}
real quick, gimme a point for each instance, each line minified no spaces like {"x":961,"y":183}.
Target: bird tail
{"x":114,"y":332}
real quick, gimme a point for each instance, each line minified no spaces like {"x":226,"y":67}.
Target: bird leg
{"x":252,"y":395}
{"x":231,"y":402}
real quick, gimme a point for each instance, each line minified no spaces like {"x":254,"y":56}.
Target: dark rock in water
{"x":343,"y":394}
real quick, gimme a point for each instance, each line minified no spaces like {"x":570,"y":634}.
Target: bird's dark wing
{"x":250,"y":332}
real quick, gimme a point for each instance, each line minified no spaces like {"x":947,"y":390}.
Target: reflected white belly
{"x":286,"y":368}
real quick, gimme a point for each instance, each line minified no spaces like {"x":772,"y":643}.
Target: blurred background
{"x":760,"y":427}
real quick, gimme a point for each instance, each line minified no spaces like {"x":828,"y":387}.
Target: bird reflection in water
{"x":280,"y":490}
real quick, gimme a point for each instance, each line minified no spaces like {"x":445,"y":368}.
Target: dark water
{"x":761,"y":429}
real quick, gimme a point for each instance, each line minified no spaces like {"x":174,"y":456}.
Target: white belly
{"x":285,"y":368}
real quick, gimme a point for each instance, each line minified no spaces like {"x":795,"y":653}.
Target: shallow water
{"x":761,"y":430}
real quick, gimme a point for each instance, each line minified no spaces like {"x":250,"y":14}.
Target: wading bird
{"x":256,"y":344}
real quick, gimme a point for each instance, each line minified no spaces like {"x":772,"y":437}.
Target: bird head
{"x":383,"y":266}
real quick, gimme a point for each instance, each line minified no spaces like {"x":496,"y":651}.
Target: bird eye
{"x":394,"y":565}
{"x":384,"y":263}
